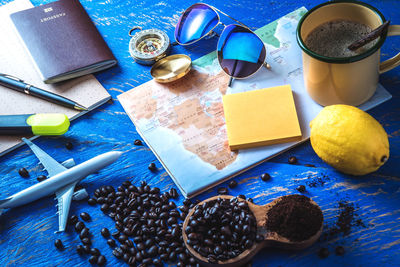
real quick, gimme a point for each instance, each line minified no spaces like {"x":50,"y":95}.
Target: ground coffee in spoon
{"x":295,"y":218}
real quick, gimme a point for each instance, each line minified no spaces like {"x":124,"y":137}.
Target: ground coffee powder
{"x":347,"y":218}
{"x":295,"y":218}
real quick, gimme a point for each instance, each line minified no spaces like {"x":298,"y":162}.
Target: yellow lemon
{"x":349,"y":139}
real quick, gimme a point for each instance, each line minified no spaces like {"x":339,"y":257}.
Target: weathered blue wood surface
{"x":27,"y":233}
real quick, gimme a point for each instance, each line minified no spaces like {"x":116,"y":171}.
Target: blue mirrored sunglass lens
{"x":240,"y":51}
{"x":195,"y":23}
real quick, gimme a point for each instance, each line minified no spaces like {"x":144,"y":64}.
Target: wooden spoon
{"x":271,"y":239}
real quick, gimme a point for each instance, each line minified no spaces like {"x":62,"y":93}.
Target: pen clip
{"x":11,"y":77}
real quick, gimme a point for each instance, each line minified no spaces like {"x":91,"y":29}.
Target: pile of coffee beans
{"x":85,"y":236}
{"x":221,"y":229}
{"x":295,"y":218}
{"x":148,"y":224}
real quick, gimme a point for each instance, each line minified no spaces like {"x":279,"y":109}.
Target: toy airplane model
{"x":62,"y":181}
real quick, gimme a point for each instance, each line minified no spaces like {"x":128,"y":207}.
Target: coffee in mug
{"x":332,"y":38}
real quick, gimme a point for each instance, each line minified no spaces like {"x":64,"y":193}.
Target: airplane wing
{"x":50,"y":164}
{"x":64,"y":197}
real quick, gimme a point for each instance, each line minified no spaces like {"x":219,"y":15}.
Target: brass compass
{"x":151,"y":47}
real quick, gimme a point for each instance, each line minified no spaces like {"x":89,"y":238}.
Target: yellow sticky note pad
{"x":261,"y":117}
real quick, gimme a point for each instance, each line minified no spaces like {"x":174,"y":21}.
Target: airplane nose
{"x":115,"y":154}
{"x":118,"y":153}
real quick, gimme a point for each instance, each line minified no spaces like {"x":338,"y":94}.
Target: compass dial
{"x":148,"y":46}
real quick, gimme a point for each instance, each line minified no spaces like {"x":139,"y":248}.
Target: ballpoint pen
{"x":20,"y":86}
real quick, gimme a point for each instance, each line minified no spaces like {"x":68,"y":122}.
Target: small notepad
{"x":261,"y":117}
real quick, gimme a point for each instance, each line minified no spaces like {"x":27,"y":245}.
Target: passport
{"x":62,"y":40}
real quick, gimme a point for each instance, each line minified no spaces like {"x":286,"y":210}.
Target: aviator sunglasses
{"x":240,"y":51}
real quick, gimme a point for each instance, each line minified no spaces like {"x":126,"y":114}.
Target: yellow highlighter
{"x":36,"y":124}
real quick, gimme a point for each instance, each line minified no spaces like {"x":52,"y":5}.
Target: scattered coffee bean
{"x":80,"y":249}
{"x":187,"y":202}
{"x":111,"y":242}
{"x":122,"y":238}
{"x":212,"y":259}
{"x":73,"y":219}
{"x":147,"y":261}
{"x":309,"y":165}
{"x":152,"y":167}
{"x":101,"y":260}
{"x":250,"y":200}
{"x":117,"y":253}
{"x":242,"y":197}
{"x":138,"y":142}
{"x":140,"y":246}
{"x":85,"y":216}
{"x":92,"y":201}
{"x":79,"y":226}
{"x":41,"y":178}
{"x":125,"y":257}
{"x":58,"y":243}
{"x":105,"y":233}
{"x":265,"y":177}
{"x":129,"y":243}
{"x":23,"y":172}
{"x":86,"y":241}
{"x":323,"y":253}
{"x":105,"y":207}
{"x":232,"y":184}
{"x":95,"y":251}
{"x":115,"y":234}
{"x":157,"y":262}
{"x":131,"y":261}
{"x":292,"y":160}
{"x":339,"y":251}
{"x":222,"y":191}
{"x":84,"y":233}
{"x":301,"y":188}
{"x":86,"y":248}
{"x":93,"y":259}
{"x":68,"y":145}
{"x":173,"y":193}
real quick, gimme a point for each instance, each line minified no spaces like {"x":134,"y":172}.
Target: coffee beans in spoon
{"x":221,"y":229}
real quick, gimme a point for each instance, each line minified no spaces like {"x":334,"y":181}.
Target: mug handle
{"x":394,"y":61}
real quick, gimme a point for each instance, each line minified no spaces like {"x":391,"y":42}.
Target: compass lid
{"x":171,"y":68}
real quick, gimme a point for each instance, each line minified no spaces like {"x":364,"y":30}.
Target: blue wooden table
{"x":370,"y":204}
